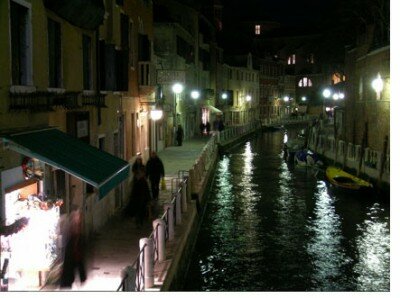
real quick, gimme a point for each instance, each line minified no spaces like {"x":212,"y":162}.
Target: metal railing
{"x":179,"y":194}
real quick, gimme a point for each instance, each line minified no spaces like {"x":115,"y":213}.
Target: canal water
{"x":272,"y":227}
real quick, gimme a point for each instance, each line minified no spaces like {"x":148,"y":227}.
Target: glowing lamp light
{"x":248,"y":97}
{"x":177,"y":88}
{"x":286,"y":98}
{"x":377,"y":84}
{"x":224,"y":95}
{"x":341,"y":95}
{"x":304,"y":98}
{"x":326,"y":93}
{"x":335,"y":96}
{"x":328,"y":109}
{"x":156,"y":114}
{"x":195,"y":94}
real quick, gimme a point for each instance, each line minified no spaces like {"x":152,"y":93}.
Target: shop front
{"x":28,"y":256}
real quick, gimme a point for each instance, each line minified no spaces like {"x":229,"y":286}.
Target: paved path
{"x":117,"y":245}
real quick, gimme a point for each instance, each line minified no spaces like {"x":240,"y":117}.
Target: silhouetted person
{"x":202,"y":128}
{"x":154,"y":171}
{"x":179,"y":135}
{"x":74,"y":254}
{"x":208,"y":128}
{"x":139,"y":199}
{"x":137,"y":167}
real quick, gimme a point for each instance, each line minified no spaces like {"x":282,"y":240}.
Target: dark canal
{"x":271,"y":227}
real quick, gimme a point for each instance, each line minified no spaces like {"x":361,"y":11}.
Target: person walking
{"x":155,"y":171}
{"x":74,"y":251}
{"x":208,"y":128}
{"x":137,"y":167}
{"x":179,"y":135}
{"x":140,"y":199}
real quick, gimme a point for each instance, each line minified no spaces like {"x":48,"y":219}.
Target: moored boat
{"x":343,"y":180}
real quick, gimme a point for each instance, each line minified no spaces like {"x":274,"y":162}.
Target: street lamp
{"x":303,"y":98}
{"x":224,"y":95}
{"x":286,"y":98}
{"x":327,"y":93}
{"x":248,"y":98}
{"x":195,"y":94}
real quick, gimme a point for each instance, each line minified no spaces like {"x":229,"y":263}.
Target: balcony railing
{"x":42,"y":101}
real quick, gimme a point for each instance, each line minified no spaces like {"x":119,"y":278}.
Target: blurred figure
{"x":208,"y":128}
{"x":137,"y":167}
{"x":74,"y":252}
{"x":15,"y":227}
{"x":179,"y":135}
{"x":202,"y":128}
{"x":139,"y":202}
{"x":154,"y":171}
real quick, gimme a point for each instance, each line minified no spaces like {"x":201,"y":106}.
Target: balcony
{"x":42,"y":101}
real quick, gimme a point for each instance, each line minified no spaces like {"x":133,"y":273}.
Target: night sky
{"x":285,"y":11}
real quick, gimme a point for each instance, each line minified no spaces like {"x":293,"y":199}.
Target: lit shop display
{"x":31,"y":251}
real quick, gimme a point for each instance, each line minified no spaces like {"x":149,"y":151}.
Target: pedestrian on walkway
{"x":140,"y":199}
{"x":179,"y":135}
{"x":202,"y":128}
{"x":208,"y":128}
{"x":155,"y":171}
{"x":137,"y":167}
{"x":74,"y":253}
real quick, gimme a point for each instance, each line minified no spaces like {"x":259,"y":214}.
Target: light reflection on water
{"x":373,"y":245}
{"x":269,"y":227}
{"x":325,"y":247}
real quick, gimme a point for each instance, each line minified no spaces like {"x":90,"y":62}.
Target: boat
{"x":343,"y":180}
{"x":306,"y":158}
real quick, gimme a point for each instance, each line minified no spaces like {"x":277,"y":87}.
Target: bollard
{"x":170,"y":208}
{"x":184,"y":196}
{"x":148,"y":262}
{"x":178,"y":208}
{"x":159,"y":224}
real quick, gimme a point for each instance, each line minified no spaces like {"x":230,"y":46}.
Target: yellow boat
{"x":341,"y":179}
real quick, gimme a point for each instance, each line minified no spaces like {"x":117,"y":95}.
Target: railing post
{"x":147,"y":245}
{"x":159,"y":225}
{"x":170,"y":213}
{"x":178,"y":208}
{"x":184,"y":195}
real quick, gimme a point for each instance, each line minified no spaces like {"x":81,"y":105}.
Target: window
{"x":87,"y":62}
{"x":257,"y":30}
{"x":54,"y":43}
{"x":292,"y":59}
{"x":21,"y":49}
{"x":305,"y":82}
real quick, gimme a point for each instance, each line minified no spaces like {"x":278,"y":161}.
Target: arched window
{"x":305,"y":82}
{"x":291,"y":59}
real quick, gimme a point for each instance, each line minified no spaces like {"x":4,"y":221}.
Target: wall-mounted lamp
{"x":377,"y":85}
{"x":156,"y":114}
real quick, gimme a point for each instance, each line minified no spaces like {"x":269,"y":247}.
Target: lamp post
{"x":177,"y":89}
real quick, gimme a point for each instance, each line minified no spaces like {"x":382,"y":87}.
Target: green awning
{"x":51,"y":146}
{"x":213,"y":109}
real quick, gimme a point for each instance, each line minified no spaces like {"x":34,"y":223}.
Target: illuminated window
{"x":310,"y":59}
{"x":337,"y":78}
{"x":291,"y":59}
{"x":305,"y":82}
{"x":257,"y":30}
